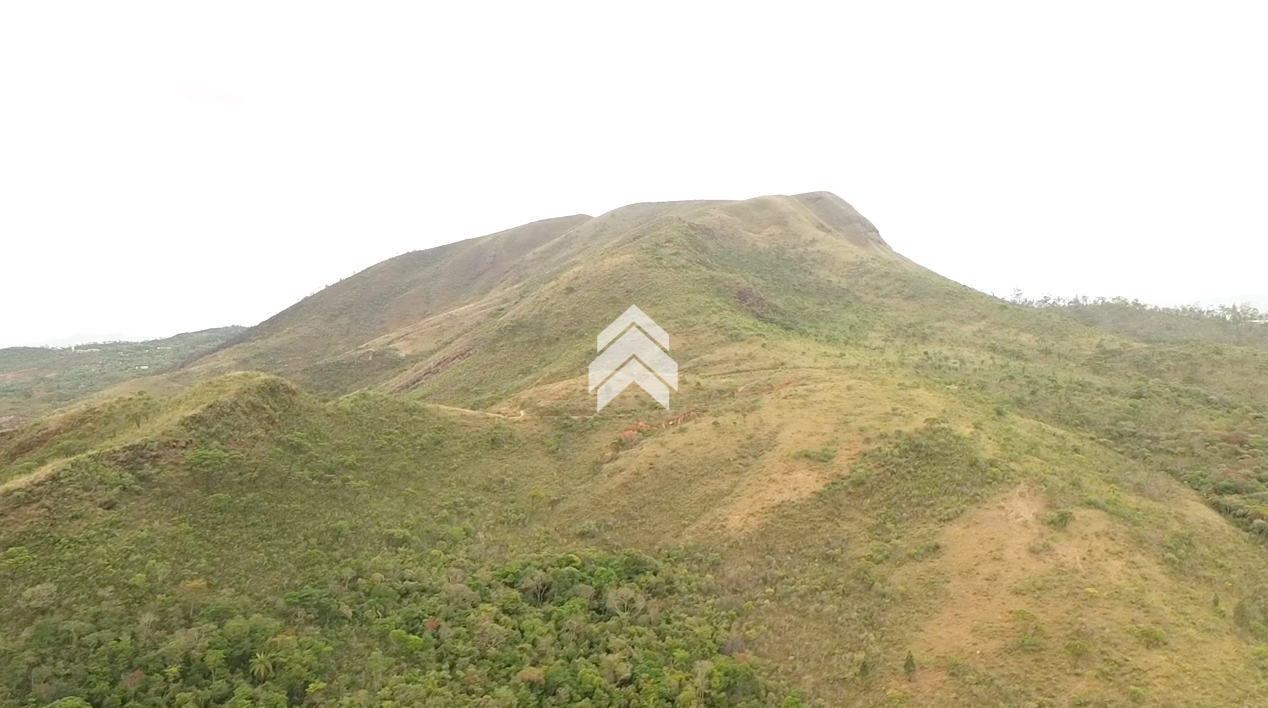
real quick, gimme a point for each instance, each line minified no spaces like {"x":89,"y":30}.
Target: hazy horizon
{"x":1258,"y":301}
{"x":170,"y":169}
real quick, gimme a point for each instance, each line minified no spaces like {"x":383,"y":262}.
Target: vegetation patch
{"x":409,"y":627}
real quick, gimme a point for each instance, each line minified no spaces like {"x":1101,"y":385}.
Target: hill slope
{"x":864,"y":462}
{"x":35,"y":380}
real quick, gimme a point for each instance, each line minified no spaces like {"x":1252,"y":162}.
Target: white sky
{"x":173,"y":166}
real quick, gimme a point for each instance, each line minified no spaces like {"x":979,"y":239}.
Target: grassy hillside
{"x":35,"y":380}
{"x":314,"y":338}
{"x":249,"y":545}
{"x":875,"y":487}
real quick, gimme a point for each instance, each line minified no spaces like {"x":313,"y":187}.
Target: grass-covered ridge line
{"x":1243,"y":325}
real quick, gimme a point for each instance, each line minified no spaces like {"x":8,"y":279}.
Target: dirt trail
{"x":489,"y":414}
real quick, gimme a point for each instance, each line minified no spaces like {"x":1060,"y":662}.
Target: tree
{"x":261,"y":667}
{"x":909,"y":666}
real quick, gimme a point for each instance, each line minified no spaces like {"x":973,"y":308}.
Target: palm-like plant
{"x":261,"y":666}
{"x":214,"y":659}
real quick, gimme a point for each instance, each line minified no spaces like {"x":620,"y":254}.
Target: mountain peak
{"x":839,"y":215}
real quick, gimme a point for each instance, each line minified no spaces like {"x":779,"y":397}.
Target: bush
{"x":822,"y":454}
{"x":1060,"y":519}
{"x":1151,"y":637}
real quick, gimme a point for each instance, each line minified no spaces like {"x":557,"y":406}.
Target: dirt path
{"x":489,"y":414}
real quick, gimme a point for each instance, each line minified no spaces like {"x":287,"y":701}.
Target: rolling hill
{"x":36,"y":380}
{"x":875,"y":487}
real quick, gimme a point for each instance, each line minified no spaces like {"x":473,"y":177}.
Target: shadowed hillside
{"x":875,"y":487}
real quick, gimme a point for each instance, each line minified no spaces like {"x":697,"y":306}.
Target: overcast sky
{"x":174,"y":166}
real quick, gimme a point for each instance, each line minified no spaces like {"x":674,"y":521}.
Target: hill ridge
{"x":371,"y":324}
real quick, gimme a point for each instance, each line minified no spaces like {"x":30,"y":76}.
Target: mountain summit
{"x":409,"y":319}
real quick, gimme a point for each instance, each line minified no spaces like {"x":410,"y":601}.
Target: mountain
{"x":874,"y":487}
{"x":402,"y":323}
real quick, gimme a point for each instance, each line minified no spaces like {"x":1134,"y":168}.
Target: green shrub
{"x":1060,"y":519}
{"x":823,"y":454}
